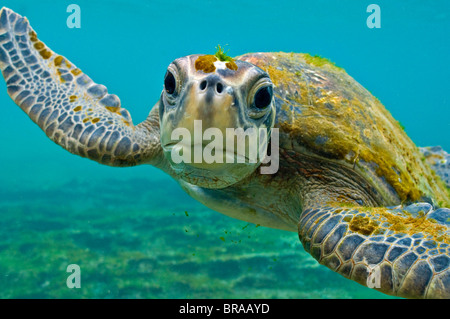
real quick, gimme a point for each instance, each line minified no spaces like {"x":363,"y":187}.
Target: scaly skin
{"x":410,"y":249}
{"x":68,"y":106}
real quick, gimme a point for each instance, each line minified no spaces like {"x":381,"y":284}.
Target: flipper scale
{"x":408,"y":246}
{"x":73,"y":111}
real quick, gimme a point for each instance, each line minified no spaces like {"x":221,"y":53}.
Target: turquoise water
{"x":133,"y":232}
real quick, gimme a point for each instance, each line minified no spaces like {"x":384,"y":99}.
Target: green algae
{"x":319,"y":61}
{"x":222,"y":55}
{"x":133,"y":244}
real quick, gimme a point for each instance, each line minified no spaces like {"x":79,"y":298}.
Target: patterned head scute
{"x":209,"y":63}
{"x":220,"y":96}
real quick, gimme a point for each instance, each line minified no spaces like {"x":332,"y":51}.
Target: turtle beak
{"x":211,"y":101}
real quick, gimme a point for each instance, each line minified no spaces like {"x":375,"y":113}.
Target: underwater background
{"x":133,"y":231}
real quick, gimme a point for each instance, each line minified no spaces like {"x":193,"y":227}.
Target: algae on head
{"x":222,"y":55}
{"x":206,"y":62}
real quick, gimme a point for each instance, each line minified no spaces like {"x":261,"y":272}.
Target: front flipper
{"x":401,"y":251}
{"x":68,"y":106}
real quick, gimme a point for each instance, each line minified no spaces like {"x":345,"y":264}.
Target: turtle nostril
{"x":203,"y":85}
{"x":219,"y":87}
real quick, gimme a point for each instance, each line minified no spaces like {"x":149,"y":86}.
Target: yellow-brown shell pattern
{"x":323,"y":109}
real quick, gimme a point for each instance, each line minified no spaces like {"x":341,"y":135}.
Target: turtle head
{"x":216,"y":118}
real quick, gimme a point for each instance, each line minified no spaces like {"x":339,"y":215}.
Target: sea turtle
{"x":364,"y":199}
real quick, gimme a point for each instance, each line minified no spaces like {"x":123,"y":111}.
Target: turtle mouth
{"x":202,"y":155}
{"x":221,"y":170}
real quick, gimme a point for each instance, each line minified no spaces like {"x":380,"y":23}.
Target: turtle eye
{"x":263,"y":97}
{"x":170,"y":84}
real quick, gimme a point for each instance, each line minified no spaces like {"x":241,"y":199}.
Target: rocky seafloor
{"x":140,"y":239}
